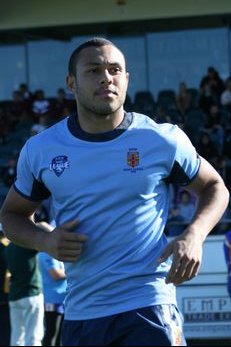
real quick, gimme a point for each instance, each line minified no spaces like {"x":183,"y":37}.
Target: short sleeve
{"x":50,"y":263}
{"x":26,"y":184}
{"x":186,"y":162}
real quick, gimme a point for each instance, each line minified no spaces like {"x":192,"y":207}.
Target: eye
{"x":114,"y":70}
{"x":93,"y":70}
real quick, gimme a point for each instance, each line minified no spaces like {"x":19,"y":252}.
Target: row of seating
{"x":165,"y":98}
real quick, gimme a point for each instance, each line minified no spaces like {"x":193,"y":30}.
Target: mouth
{"x":106,"y":92}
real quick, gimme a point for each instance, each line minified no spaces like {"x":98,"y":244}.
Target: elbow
{"x":223,"y":194}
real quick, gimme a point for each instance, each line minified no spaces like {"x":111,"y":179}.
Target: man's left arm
{"x":186,"y":249}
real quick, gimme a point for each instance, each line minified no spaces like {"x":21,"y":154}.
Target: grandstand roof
{"x":60,"y":20}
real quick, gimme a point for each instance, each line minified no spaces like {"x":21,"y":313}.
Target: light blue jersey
{"x":117,"y":185}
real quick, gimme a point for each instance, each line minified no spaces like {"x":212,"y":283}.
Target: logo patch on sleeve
{"x":59,"y":164}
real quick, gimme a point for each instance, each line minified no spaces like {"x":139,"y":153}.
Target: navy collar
{"x":75,"y":129}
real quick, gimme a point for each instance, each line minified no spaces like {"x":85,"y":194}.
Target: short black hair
{"x":94,"y":42}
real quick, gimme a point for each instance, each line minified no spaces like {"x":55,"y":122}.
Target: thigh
{"x":71,"y":333}
{"x":34,"y":320}
{"x":17,"y":324}
{"x":159,"y":325}
{"x":92,"y":332}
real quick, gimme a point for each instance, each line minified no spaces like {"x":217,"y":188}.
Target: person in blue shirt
{"x":108,"y":172}
{"x":54,"y":289}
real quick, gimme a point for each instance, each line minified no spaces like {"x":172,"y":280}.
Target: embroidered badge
{"x":59,"y":164}
{"x":133,"y":160}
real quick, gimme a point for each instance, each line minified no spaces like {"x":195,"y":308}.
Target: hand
{"x":64,"y":244}
{"x":186,"y":251}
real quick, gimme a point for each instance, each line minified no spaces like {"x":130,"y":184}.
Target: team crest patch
{"x":59,"y":164}
{"x":133,"y":160}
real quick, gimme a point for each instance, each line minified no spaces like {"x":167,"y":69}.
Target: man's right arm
{"x":17,"y":221}
{"x":19,"y":227}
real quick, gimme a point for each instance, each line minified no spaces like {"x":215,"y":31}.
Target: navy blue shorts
{"x":159,"y":325}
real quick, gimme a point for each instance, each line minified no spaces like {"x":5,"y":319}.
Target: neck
{"x":92,"y":123}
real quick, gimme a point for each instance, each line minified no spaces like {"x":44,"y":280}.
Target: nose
{"x":105,"y":78}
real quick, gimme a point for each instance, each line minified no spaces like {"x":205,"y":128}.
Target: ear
{"x":71,"y":83}
{"x":127,"y":77}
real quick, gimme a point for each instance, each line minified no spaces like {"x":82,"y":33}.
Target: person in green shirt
{"x":25,"y":297}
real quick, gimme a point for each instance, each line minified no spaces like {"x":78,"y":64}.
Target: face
{"x":101,"y":80}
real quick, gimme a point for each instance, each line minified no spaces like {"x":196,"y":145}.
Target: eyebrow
{"x":99,"y":64}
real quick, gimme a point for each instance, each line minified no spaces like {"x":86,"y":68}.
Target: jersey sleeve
{"x":26,"y":184}
{"x":50,"y":263}
{"x":186,"y":162}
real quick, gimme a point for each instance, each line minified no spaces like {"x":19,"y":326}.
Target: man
{"x":108,"y":173}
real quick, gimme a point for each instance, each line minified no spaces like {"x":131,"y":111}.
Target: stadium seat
{"x":167,"y":98}
{"x":144,"y":103}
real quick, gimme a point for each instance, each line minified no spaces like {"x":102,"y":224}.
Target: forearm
{"x":57,"y":274}
{"x":24,"y":232}
{"x":212,"y":203}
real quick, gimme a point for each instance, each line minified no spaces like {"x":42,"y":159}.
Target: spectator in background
{"x":26,"y":96}
{"x":9,"y":172}
{"x":215,"y":128}
{"x":41,"y":124}
{"x":227,"y":253}
{"x":220,"y":163}
{"x":162,"y":115}
{"x":65,"y":112}
{"x":227,"y":143}
{"x":16,"y":110}
{"x":175,"y":225}
{"x":4,"y":127}
{"x":213,"y":83}
{"x":24,"y":92}
{"x":40,"y":105}
{"x":185,"y":205}
{"x":54,"y":289}
{"x":205,"y":147}
{"x":183,"y":98}
{"x":61,"y":101}
{"x":25,"y":297}
{"x":4,"y":291}
{"x":206,"y":99}
{"x":226,"y":95}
